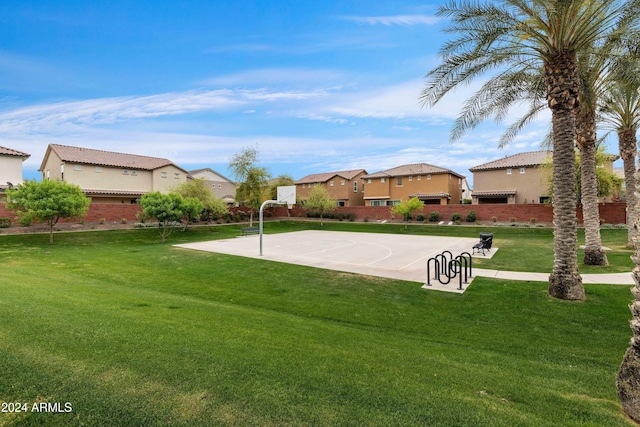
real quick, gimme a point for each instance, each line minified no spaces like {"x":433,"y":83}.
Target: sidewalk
{"x":605,"y":279}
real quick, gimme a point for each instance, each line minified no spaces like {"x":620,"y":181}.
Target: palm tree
{"x":529,"y":35}
{"x":620,"y":111}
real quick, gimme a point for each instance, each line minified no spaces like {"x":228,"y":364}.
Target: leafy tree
{"x":47,"y":201}
{"x":212,"y":206}
{"x":534,"y":35}
{"x":320,"y":201}
{"x":167,"y":209}
{"x":192,"y":209}
{"x":406,"y":208}
{"x":250,"y":179}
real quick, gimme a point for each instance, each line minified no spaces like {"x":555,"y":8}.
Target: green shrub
{"x":494,"y":219}
{"x":513,"y":219}
{"x":365,"y":219}
{"x":471,"y":216}
{"x":351,"y":216}
{"x":533,"y":220}
{"x":420,"y":217}
{"x":456,"y":217}
{"x":466,"y":201}
{"x":5,"y":222}
{"x":434,"y":216}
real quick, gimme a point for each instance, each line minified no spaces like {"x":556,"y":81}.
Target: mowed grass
{"x":133,"y":332}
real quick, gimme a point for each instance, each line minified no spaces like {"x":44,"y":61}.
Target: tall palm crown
{"x":529,"y":35}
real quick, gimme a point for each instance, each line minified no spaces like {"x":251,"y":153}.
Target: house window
{"x":393,"y":202}
{"x":355,"y":187}
{"x":48,"y":174}
{"x":521,"y":170}
{"x":219,"y":185}
{"x":410,"y":178}
{"x":369,"y":181}
{"x":134,"y":173}
{"x":378,"y":203}
{"x":419,"y":177}
{"x":330,"y":183}
{"x":77,"y":167}
{"x":98,"y":169}
{"x":163,"y":174}
{"x":509,"y":171}
{"x":176,"y":175}
{"x":429,"y":176}
{"x":125,"y":172}
{"x":382,"y":180}
{"x":304,"y":185}
{"x":363,"y":187}
{"x":399,"y":181}
{"x":342,"y":182}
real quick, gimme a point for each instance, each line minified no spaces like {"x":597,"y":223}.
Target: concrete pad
{"x":392,"y":256}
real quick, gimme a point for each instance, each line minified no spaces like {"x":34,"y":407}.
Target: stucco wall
{"x":529,"y":186}
{"x":10,"y":170}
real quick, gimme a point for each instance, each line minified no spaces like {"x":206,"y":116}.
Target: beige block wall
{"x":529,"y":186}
{"x":10,"y":170}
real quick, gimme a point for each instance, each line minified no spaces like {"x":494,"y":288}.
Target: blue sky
{"x":316,"y":86}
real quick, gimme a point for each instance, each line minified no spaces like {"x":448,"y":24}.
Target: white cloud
{"x":404,"y":20}
{"x":276,"y":76}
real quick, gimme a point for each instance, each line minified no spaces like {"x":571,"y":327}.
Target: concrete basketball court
{"x":392,"y":256}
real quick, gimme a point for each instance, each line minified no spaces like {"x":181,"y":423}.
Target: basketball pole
{"x":264,"y":204}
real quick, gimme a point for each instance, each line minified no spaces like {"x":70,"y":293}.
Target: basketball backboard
{"x":287,"y":194}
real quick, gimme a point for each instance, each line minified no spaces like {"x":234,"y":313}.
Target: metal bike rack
{"x":446,"y":268}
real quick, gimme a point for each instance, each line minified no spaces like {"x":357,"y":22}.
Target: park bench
{"x":250,"y":230}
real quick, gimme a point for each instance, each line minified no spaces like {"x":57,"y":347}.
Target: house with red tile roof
{"x":220,"y":186}
{"x":429,"y":183}
{"x":110,"y":177}
{"x":11,"y":166}
{"x":343,"y":186}
{"x":512,"y":179}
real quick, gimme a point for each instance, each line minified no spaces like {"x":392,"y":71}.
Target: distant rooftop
{"x":530,"y":158}
{"x":10,"y":152}
{"x":324,"y":177}
{"x":108,"y":158}
{"x":412,"y":169}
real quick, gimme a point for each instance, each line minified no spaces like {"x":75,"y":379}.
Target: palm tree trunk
{"x":627,"y":145}
{"x":562,"y":97}
{"x":586,"y":139}
{"x":628,"y":383}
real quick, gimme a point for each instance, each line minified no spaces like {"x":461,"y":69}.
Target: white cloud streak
{"x":403,"y":20}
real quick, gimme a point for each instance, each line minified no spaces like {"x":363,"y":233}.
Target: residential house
{"x":512,"y":179}
{"x":431,"y":184}
{"x":220,"y":186}
{"x":11,"y":167}
{"x":109,"y":177}
{"x":343,"y":186}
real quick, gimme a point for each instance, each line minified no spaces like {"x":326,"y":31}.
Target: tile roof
{"x":10,"y":152}
{"x":531,"y":158}
{"x":108,"y":158}
{"x":324,"y":177}
{"x":428,"y":196}
{"x":412,"y":169}
{"x":94,"y":192}
{"x":494,"y":193}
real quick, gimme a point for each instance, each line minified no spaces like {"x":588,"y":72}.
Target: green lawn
{"x":134,"y":332}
